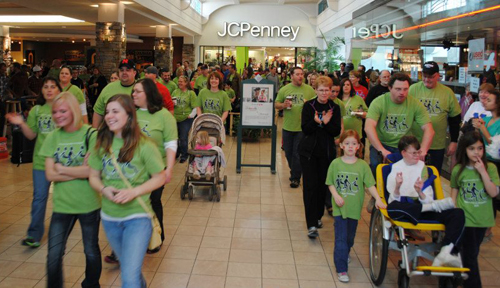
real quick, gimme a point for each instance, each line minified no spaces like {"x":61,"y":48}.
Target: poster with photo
{"x":257,"y":105}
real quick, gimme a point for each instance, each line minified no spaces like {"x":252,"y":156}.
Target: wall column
{"x":163,"y":52}
{"x":111,"y":39}
{"x":5,"y":56}
{"x":188,"y":51}
{"x":241,"y":58}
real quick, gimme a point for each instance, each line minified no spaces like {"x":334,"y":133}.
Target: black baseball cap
{"x":129,"y":63}
{"x":430,"y":68}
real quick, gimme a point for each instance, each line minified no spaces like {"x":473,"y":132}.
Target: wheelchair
{"x":386,"y":233}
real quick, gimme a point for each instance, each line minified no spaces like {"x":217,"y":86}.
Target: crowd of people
{"x":116,"y":143}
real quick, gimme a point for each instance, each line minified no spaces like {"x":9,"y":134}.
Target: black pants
{"x":158,"y":208}
{"x":470,"y":251}
{"x":314,"y":171}
{"x":453,"y":219}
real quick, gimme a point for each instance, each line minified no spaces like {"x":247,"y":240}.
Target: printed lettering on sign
{"x":231,"y":29}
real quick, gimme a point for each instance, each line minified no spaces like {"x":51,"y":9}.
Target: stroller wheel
{"x":211,"y":193}
{"x":217,"y":190}
{"x":190,"y":192}
{"x":183,"y":192}
{"x":225,"y":183}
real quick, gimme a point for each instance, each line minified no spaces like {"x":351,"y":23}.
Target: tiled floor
{"x":255,"y":237}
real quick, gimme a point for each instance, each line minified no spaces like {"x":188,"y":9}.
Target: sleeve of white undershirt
{"x":83,"y":108}
{"x":171,"y":145}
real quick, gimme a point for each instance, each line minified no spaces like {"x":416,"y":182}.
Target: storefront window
{"x":212,"y":55}
{"x":196,"y":5}
{"x":435,"y":6}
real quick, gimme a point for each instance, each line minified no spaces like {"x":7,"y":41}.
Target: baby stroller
{"x":214,"y":126}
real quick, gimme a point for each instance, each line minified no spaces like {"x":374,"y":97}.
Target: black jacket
{"x":319,"y":139}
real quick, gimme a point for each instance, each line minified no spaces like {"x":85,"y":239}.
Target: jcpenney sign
{"x":376,"y":31}
{"x":235,"y":29}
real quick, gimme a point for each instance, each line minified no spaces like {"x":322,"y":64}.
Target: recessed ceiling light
{"x":72,"y":41}
{"x":153,"y":26}
{"x":38,"y":19}
{"x":127,"y":2}
{"x":94,"y":6}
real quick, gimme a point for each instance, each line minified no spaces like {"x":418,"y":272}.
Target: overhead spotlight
{"x":84,"y":40}
{"x":72,"y":41}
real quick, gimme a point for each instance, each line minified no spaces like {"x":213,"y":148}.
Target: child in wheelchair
{"x":411,"y":199}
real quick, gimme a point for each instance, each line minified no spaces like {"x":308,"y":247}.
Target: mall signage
{"x":376,"y":31}
{"x":239,"y":29}
{"x":476,"y":55}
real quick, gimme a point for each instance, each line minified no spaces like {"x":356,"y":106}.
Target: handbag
{"x":155,"y":240}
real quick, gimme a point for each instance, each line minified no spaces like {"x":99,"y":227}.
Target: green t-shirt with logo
{"x":395,"y":120}
{"x":472,"y":197}
{"x":109,"y":91}
{"x":342,"y":108}
{"x":350,"y":181}
{"x":186,"y":102}
{"x":214,"y":103}
{"x":200,"y":82}
{"x":176,"y":80}
{"x":69,"y":149}
{"x":161,"y":127}
{"x":353,"y":104}
{"x":146,"y":162}
{"x":440,"y":103}
{"x":300,"y":94}
{"x":230,"y":93}
{"x":77,"y":92}
{"x":40,"y":121}
{"x":171,"y":86}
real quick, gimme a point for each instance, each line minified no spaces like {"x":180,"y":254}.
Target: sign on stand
{"x":462,"y":75}
{"x":474,"y":84}
{"x":257,"y":112}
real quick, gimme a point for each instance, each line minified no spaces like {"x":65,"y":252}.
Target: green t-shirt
{"x":176,"y":80}
{"x":342,"y":108}
{"x":109,"y":91}
{"x":75,"y":196}
{"x":354,"y":104}
{"x":200,"y":83}
{"x":440,"y":103}
{"x":395,"y":120}
{"x":40,"y":121}
{"x":350,"y":181}
{"x":186,"y":102}
{"x":171,"y":86}
{"x":230,"y":93}
{"x":300,"y":94}
{"x":214,"y":103}
{"x":472,"y":197}
{"x":161,"y":127}
{"x":77,"y":92}
{"x":146,"y":162}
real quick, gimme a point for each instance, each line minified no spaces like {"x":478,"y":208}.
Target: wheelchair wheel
{"x":379,"y":248}
{"x":449,"y":282}
{"x":217,"y":193}
{"x":403,"y":279}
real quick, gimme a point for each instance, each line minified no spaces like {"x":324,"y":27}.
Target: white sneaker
{"x":446,"y":259}
{"x":343,"y":277}
{"x":313,"y":233}
{"x":443,"y":204}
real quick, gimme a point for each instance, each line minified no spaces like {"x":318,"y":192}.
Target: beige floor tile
{"x":7,"y":267}
{"x":246,"y":233}
{"x":279,"y":283}
{"x":276,"y":245}
{"x":246,"y":223}
{"x":216,"y":242}
{"x":236,"y":269}
{"x":186,"y":241}
{"x":316,"y":284}
{"x":213,"y":254}
{"x":274,"y":224}
{"x":249,"y":244}
{"x":278,"y":271}
{"x":307,"y":246}
{"x":10,"y":282}
{"x":190,"y":230}
{"x":240,"y":282}
{"x":213,"y":268}
{"x":180,"y":252}
{"x":205,"y":281}
{"x":245,"y":256}
{"x":307,"y":272}
{"x":220,"y":222}
{"x":311,"y":258}
{"x":275,"y":234}
{"x":277,"y":257}
{"x":182,"y":266}
{"x":218,"y":232}
{"x":169,"y":280}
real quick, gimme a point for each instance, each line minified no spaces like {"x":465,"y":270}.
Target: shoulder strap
{"x":127,"y":183}
{"x":88,"y":134}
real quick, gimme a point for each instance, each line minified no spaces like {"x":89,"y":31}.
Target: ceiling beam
{"x":281,"y":2}
{"x":236,"y":2}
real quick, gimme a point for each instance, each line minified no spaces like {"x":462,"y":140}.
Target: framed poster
{"x":257,"y":104}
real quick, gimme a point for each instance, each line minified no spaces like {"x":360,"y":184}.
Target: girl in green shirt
{"x":66,"y":150}
{"x":355,"y":107}
{"x":474,"y":183}
{"x":126,"y":223}
{"x":183,"y":113}
{"x":65,"y":81}
{"x":38,"y":125}
{"x":347,"y":178}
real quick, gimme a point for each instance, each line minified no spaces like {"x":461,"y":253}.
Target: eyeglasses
{"x":414,"y":154}
{"x":322,"y":91}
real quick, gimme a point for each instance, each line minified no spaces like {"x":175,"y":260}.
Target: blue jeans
{"x":345,"y":231}
{"x":183,"y":130}
{"x":130,"y":240}
{"x":38,"y":205}
{"x":61,"y":226}
{"x":374,"y":157}
{"x":291,"y":142}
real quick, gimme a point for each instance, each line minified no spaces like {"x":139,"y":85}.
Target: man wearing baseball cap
{"x":35,"y":82}
{"x":152,"y":73}
{"x":124,"y":86}
{"x":444,"y":110}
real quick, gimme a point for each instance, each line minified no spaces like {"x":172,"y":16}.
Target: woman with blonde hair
{"x":66,"y":151}
{"x":125,"y":167}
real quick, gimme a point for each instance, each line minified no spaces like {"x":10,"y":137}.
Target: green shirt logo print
{"x":395,"y":124}
{"x":347,"y":185}
{"x":432,"y":106}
